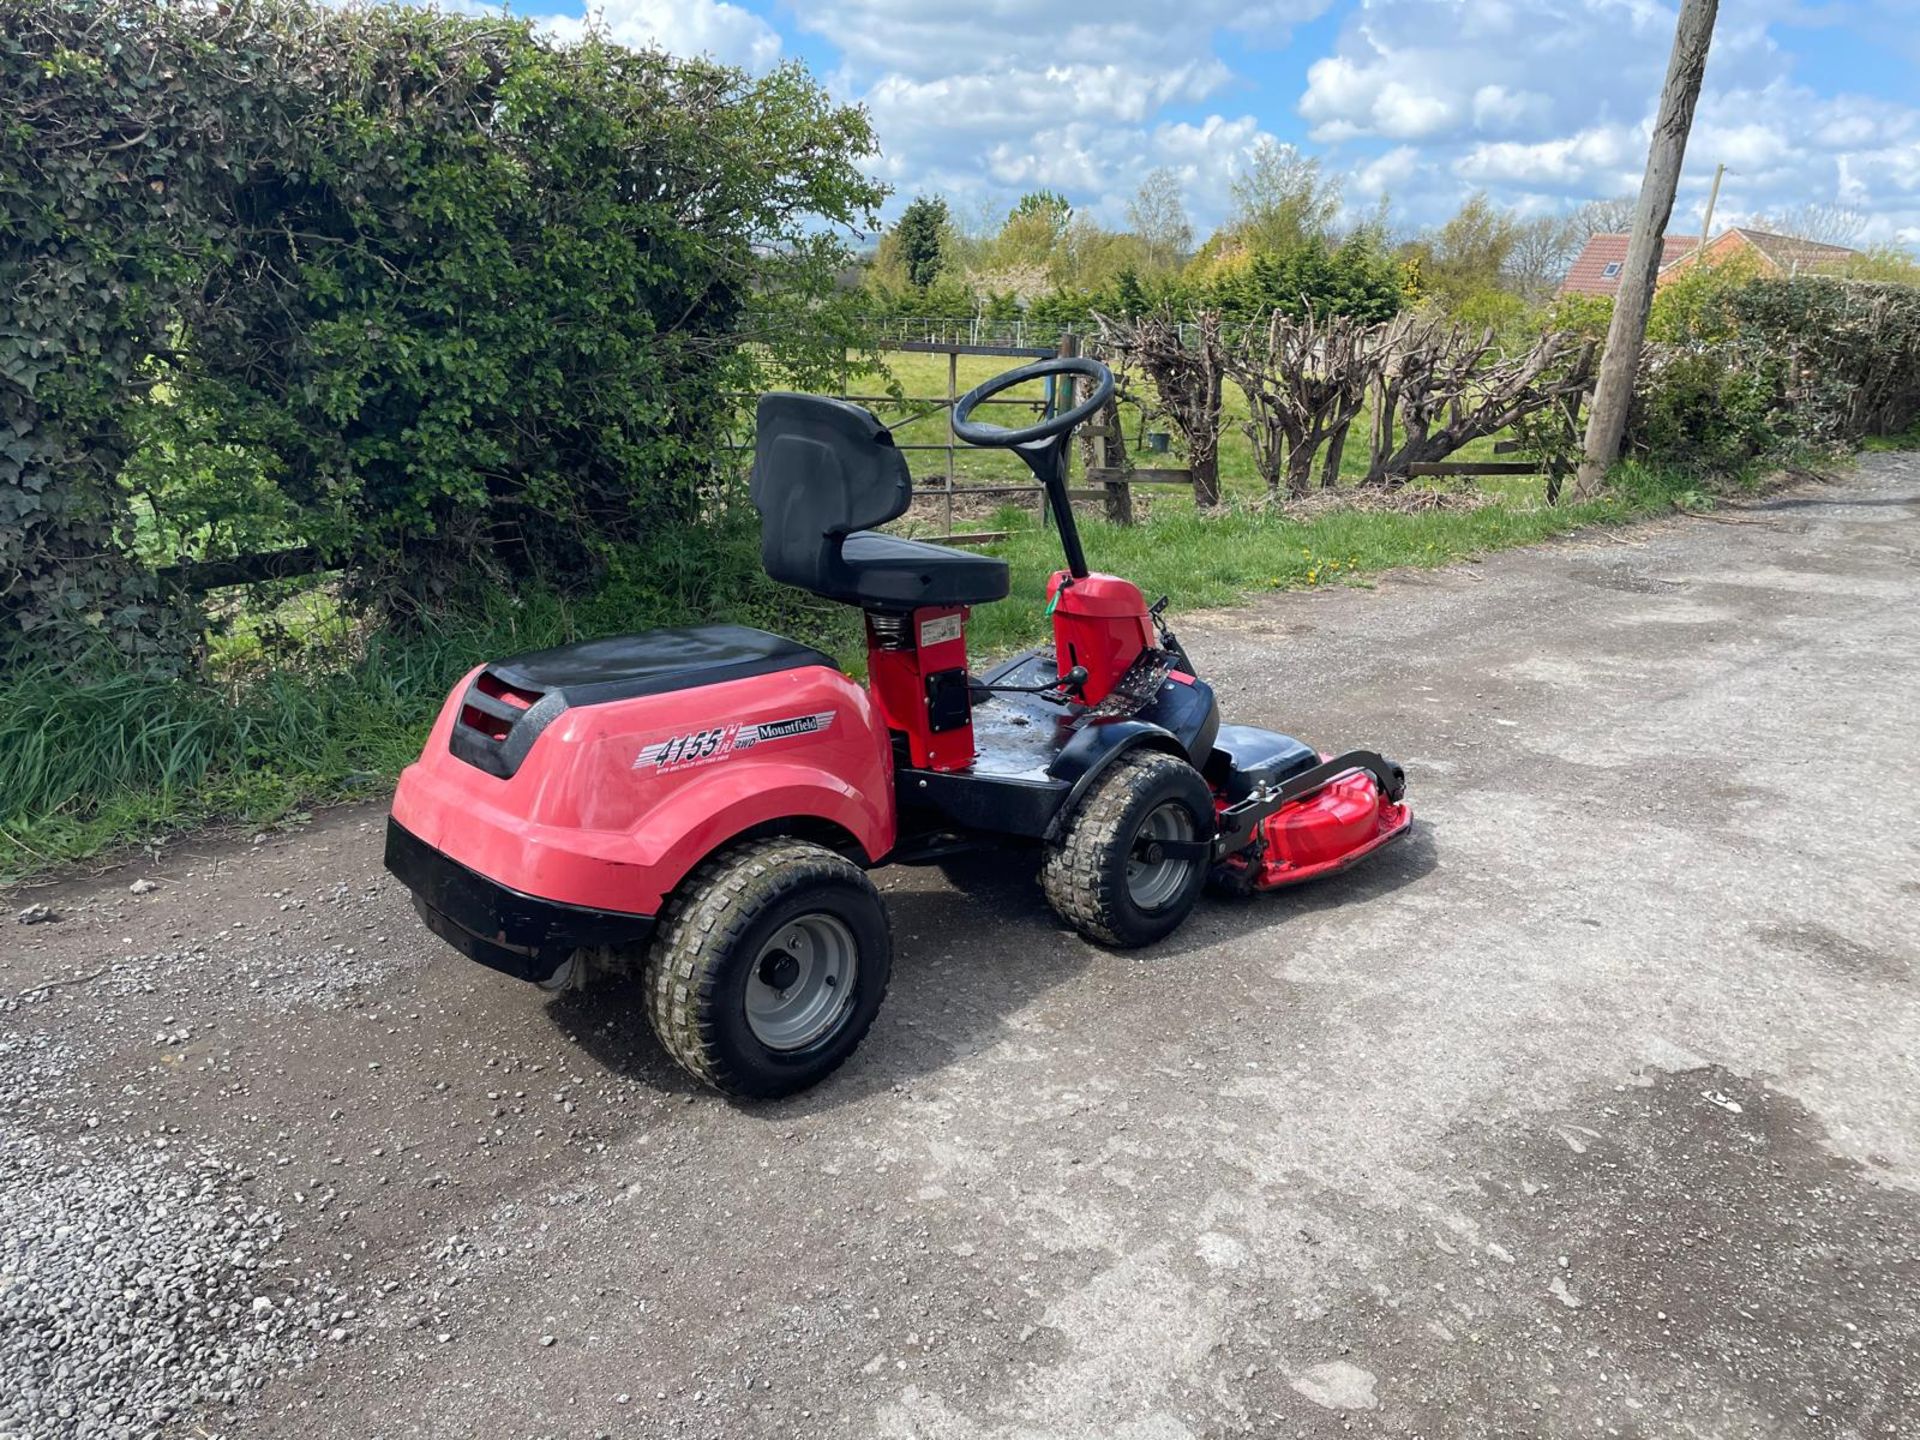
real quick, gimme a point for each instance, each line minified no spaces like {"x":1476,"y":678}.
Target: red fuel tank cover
{"x":1108,"y":596}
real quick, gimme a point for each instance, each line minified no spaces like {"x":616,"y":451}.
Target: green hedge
{"x":1851,"y":350}
{"x":1744,"y":365}
{"x":450,"y":302}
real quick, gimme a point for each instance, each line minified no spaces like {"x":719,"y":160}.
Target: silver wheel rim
{"x":1152,"y":884}
{"x":802,"y":982}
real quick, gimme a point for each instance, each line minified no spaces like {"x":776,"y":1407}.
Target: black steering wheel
{"x":976,"y":433}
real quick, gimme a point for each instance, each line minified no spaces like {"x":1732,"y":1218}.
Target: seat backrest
{"x":821,"y":470}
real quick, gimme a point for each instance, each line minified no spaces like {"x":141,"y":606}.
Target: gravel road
{"x":1591,"y":1110}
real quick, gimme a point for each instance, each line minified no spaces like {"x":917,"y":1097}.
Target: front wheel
{"x":770,"y":965}
{"x":1123,"y":873}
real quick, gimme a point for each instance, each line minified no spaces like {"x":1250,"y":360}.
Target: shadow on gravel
{"x":962,"y":964}
{"x":608,"y":1021}
{"x":1402,"y":863}
{"x":967,"y":957}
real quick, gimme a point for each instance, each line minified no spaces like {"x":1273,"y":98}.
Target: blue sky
{"x":1542,"y":103}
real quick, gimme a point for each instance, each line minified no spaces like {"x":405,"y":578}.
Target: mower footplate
{"x":517,"y":934}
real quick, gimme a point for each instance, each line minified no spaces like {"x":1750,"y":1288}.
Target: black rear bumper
{"x":520,"y":935}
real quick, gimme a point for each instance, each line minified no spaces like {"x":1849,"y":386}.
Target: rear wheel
{"x":1123,"y":873}
{"x":770,"y":965}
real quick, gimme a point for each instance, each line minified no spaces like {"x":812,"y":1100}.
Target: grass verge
{"x":130,"y":760}
{"x":1908,"y":439}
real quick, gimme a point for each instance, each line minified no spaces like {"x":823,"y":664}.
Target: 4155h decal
{"x":700,"y":747}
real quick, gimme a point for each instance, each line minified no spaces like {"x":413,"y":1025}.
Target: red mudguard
{"x":616,"y":802}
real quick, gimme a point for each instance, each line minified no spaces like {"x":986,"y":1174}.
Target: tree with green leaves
{"x":1047,"y":208}
{"x":1090,"y":256}
{"x":1465,"y":258}
{"x":1356,"y":279}
{"x":1158,"y":215}
{"x":469,"y":302}
{"x":920,"y":239}
{"x":1887,"y":263}
{"x":1032,"y":232}
{"x":1282,"y":199}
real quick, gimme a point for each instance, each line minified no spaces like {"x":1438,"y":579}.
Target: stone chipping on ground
{"x":137,"y":1283}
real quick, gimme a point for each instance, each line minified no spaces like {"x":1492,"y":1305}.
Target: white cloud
{"x":925,"y":38}
{"x":725,"y":32}
{"x":1603,"y":159}
{"x":985,"y":98}
{"x":1541,"y":102}
{"x":1387,"y":173}
{"x":1496,"y":108}
{"x":1548,"y":102}
{"x":1485,"y":66}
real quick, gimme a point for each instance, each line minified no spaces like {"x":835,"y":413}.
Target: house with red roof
{"x":1597,"y":270}
{"x":1778,"y":255}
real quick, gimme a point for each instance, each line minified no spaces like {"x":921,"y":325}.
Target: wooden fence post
{"x":1108,"y":461}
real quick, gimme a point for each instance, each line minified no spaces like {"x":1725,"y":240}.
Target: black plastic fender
{"x":1188,"y":711}
{"x":1097,"y":745}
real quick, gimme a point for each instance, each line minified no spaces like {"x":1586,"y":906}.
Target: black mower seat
{"x":824,"y":474}
{"x":886,"y":570}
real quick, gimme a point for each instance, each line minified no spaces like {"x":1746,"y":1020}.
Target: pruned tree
{"x":1187,"y":366}
{"x":1433,"y":387}
{"x":1443,"y":386}
{"x":1306,"y":381}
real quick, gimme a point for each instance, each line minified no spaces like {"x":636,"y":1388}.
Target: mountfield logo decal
{"x":703,"y":747}
{"x":782,"y":729}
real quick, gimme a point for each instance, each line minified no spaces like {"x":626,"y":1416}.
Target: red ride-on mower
{"x":706,"y":801}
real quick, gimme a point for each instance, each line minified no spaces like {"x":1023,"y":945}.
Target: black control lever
{"x":1068,"y":683}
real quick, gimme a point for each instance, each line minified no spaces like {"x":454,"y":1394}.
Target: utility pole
{"x":1607,"y":421}
{"x":1713,"y":198}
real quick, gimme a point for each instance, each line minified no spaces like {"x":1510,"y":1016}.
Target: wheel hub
{"x":779,"y":971}
{"x":801,"y":986}
{"x":1154,"y":877}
